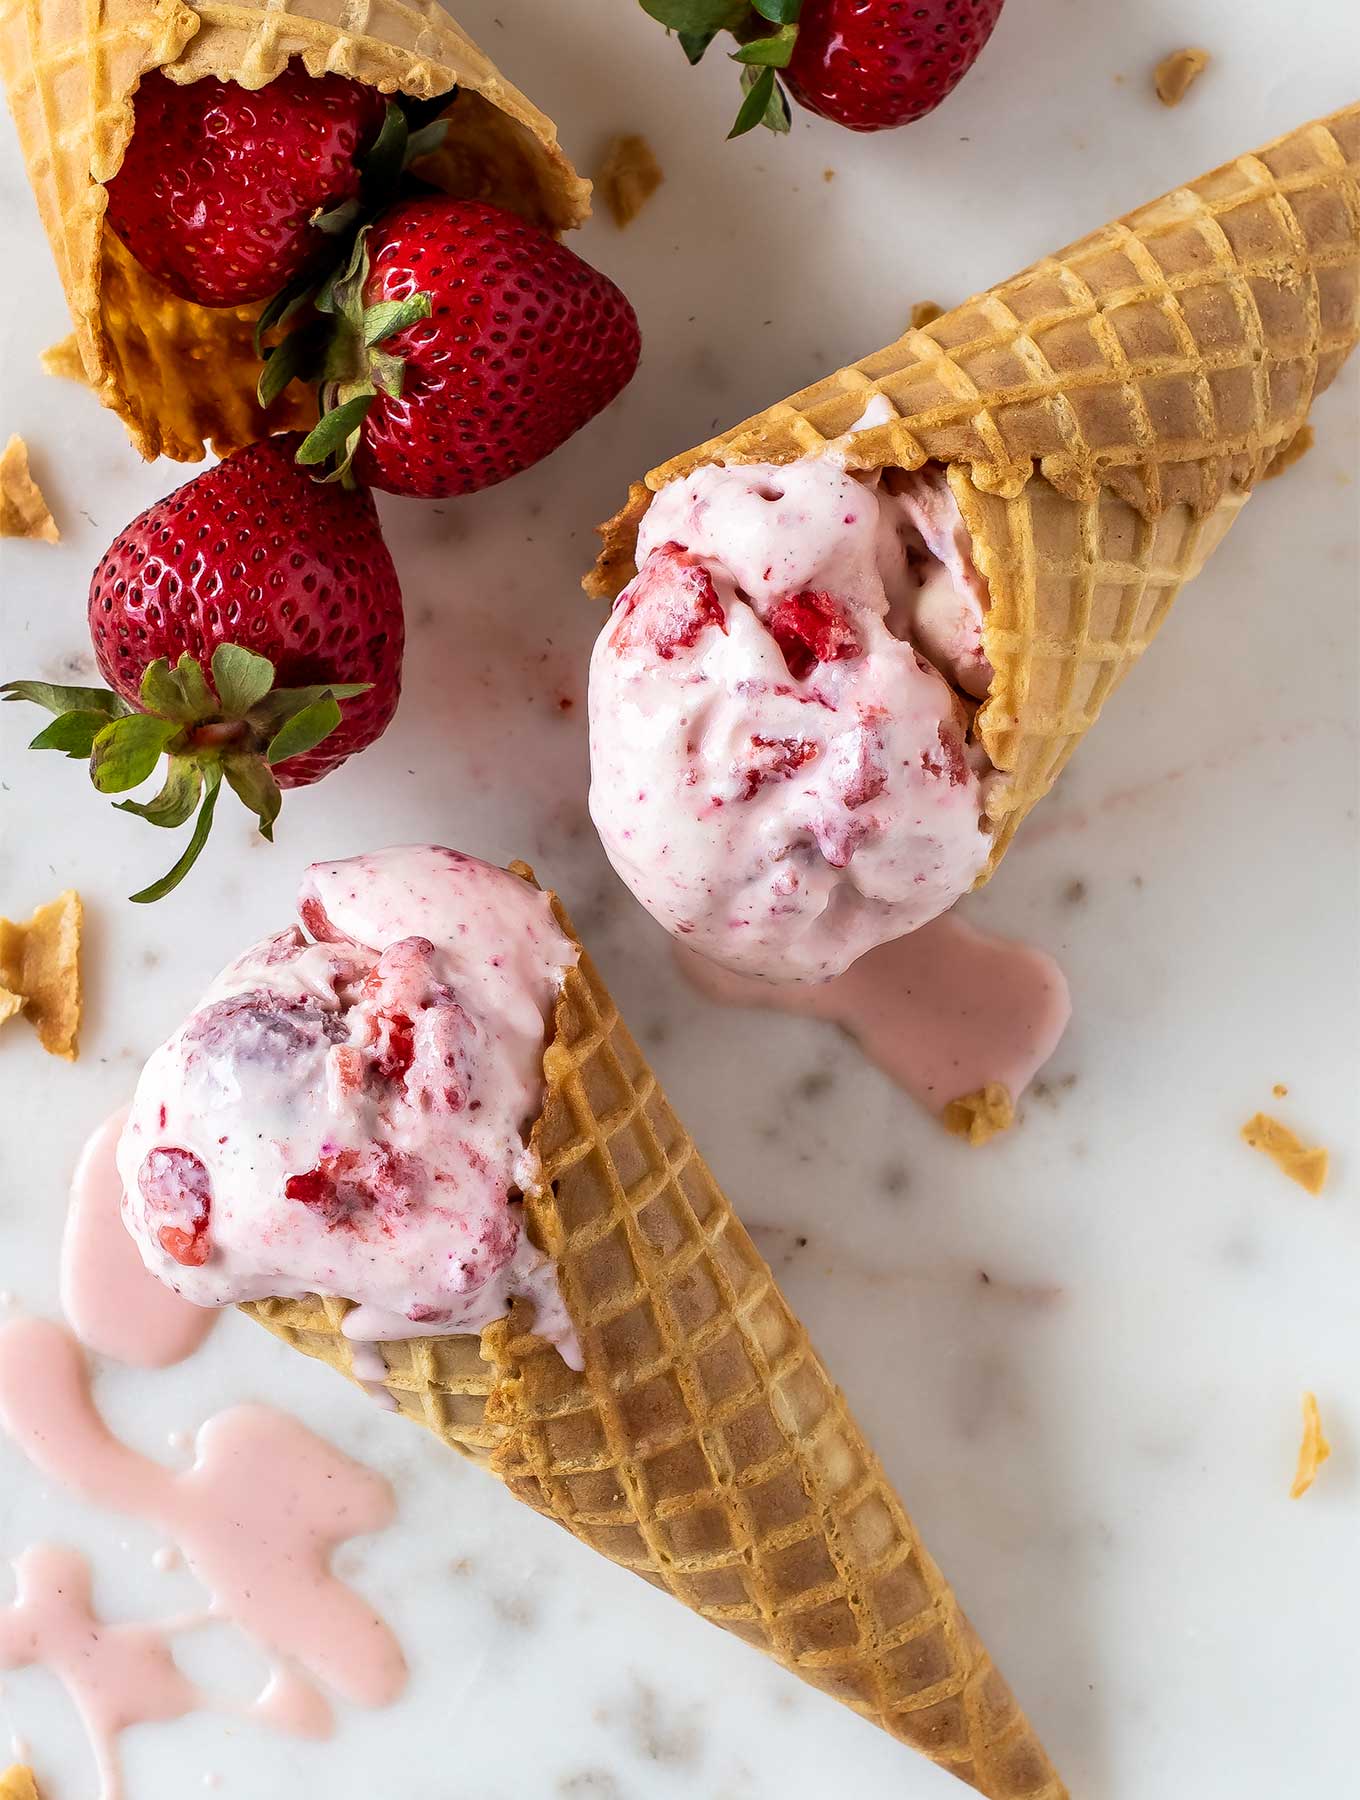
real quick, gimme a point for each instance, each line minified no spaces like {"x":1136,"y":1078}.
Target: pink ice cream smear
{"x":346,"y":1112}
{"x":781,"y":767}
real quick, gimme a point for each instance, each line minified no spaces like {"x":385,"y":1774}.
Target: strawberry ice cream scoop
{"x":777,"y":771}
{"x":347,"y":1110}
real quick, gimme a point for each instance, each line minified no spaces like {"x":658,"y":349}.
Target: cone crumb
{"x":1296,"y":1160}
{"x":1288,"y":454}
{"x":1175,"y":74}
{"x":828,"y":174}
{"x":63,"y":361}
{"x":1313,"y":1451}
{"x":40,"y":973}
{"x":23,"y":511}
{"x":1279,"y":1090}
{"x":981,"y":1115}
{"x":628,"y":177}
{"x":17,"y":1783}
{"x":924,"y":313}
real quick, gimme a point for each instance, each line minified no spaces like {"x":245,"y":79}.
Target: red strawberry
{"x":260,"y":574}
{"x":867,"y":64}
{"x":467,"y":345}
{"x":811,"y":628}
{"x":217,"y":191}
{"x":870,"y":64}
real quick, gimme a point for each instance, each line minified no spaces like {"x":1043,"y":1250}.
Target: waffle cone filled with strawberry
{"x":180,"y":373}
{"x":421,"y":1100}
{"x":1094,"y":425}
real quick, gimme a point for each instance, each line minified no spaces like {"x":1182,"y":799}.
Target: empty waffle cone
{"x":703,"y":1444}
{"x":182,"y":376}
{"x":1102,"y":417}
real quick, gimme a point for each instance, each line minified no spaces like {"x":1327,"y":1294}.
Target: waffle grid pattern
{"x":1162,"y":357}
{"x":1103,"y":416}
{"x":704,"y":1446}
{"x":1079,"y":590}
{"x":183,"y":376}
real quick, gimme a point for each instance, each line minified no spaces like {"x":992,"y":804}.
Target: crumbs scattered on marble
{"x":591,"y":1784}
{"x":658,"y":1731}
{"x":1037,"y":1294}
{"x":1051,"y":1091}
{"x":894,"y":1180}
{"x":1074,"y":893}
{"x":814,"y":1084}
{"x":517,"y":1609}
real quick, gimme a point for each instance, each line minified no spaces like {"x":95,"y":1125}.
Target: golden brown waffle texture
{"x":703,"y":1445}
{"x":1103,"y":415}
{"x":182,"y":376}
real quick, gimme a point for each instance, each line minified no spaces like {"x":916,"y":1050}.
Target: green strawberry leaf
{"x":241,"y":677}
{"x":176,"y":800}
{"x":212,"y":783}
{"x":425,"y":140}
{"x":389,"y":317}
{"x":779,"y":12}
{"x":336,"y":220}
{"x":125,"y":751}
{"x":282,"y":704}
{"x":67,"y":699}
{"x":694,"y":43}
{"x":383,"y":163}
{"x":336,"y":435}
{"x":387,"y":373}
{"x":760,"y":92}
{"x":773,"y":51}
{"x":73,"y":732}
{"x":298,"y":357}
{"x":251,"y":779}
{"x":283,"y":306}
{"x":696,"y":16}
{"x":180,"y":693}
{"x":305,"y":730}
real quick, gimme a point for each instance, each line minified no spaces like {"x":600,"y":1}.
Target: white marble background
{"x":1098,"y":1441}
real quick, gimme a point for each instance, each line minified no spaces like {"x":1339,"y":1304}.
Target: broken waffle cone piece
{"x":23,"y":511}
{"x":1102,"y":417}
{"x":17,"y":1783}
{"x":183,"y":376}
{"x":40,"y":973}
{"x":703,"y":1444}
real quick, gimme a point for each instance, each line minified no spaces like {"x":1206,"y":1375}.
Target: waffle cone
{"x":1102,"y":416}
{"x":703,"y":1445}
{"x":182,"y":376}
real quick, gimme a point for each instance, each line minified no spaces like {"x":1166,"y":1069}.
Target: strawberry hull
{"x":181,"y":376}
{"x":256,"y":553}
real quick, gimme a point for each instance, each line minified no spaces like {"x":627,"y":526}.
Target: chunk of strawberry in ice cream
{"x":777,"y":771}
{"x":346,"y":1112}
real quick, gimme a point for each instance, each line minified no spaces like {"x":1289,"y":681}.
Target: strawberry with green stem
{"x":459,"y":344}
{"x":865,"y":64}
{"x":232,"y":619}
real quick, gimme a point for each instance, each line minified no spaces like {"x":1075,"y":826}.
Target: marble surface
{"x":1081,"y":1349}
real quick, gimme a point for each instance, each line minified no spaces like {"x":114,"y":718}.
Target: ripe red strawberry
{"x":216,"y":193}
{"x":250,"y":574}
{"x":467,"y":345}
{"x":870,"y":64}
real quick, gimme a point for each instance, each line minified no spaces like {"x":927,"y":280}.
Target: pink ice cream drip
{"x":778,"y":771}
{"x":346,"y":1112}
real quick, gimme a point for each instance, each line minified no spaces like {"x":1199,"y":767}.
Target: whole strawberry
{"x":218,"y":189}
{"x":467,"y":344}
{"x":867,"y":64}
{"x":871,"y":64}
{"x":230,"y":620}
